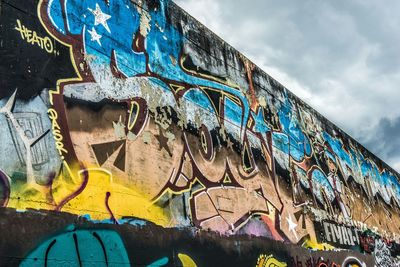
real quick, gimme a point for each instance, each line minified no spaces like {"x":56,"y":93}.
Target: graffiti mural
{"x":132,"y":109}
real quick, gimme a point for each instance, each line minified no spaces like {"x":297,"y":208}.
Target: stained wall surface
{"x":132,"y":135}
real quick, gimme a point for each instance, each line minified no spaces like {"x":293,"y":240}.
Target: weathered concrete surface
{"x":114,"y":108}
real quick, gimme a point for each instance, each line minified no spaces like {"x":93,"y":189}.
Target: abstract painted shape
{"x":105,"y":150}
{"x":80,"y":248}
{"x":186,"y":260}
{"x":269,"y":261}
{"x":158,"y":263}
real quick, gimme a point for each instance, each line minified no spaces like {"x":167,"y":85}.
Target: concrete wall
{"x":132,"y":135}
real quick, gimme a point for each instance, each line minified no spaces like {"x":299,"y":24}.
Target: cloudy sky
{"x":342,"y":57}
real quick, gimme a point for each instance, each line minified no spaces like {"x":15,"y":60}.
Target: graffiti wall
{"x":132,"y":135}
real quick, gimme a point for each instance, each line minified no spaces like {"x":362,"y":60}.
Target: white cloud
{"x":205,"y":11}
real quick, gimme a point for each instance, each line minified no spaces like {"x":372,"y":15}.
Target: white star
{"x":95,"y":36}
{"x":292,"y":226}
{"x":100,"y":17}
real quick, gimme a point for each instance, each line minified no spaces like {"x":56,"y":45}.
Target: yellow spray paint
{"x":123,"y":201}
{"x":269,"y":261}
{"x":70,"y":193}
{"x":310,"y":244}
{"x":186,"y":260}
